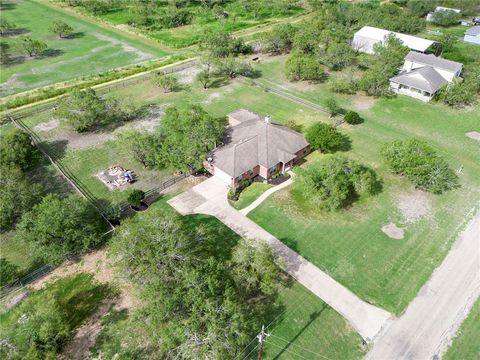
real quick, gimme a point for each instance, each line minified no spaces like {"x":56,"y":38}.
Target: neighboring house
{"x":441,"y":8}
{"x":472,"y":35}
{"x":365,"y":38}
{"x":422,"y":76}
{"x":255,"y":147}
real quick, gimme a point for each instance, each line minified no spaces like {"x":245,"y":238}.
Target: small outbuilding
{"x":472,"y":35}
{"x":365,"y":39}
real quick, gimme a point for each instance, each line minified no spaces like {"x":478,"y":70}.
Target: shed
{"x":365,"y":38}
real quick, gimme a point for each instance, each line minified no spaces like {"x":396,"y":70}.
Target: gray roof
{"x":256,"y":142}
{"x":425,"y":78}
{"x":242,"y":115}
{"x":474,"y":31}
{"x":434,"y":61}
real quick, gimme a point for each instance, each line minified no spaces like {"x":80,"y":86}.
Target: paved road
{"x":210,"y":197}
{"x":431,"y":320}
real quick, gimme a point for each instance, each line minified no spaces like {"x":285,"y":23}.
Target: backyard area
{"x":350,"y":245}
{"x":90,"y":49}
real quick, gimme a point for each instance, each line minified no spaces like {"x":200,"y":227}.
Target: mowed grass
{"x":465,"y":345}
{"x":349,"y":245}
{"x":92,"y":49}
{"x":250,"y":194}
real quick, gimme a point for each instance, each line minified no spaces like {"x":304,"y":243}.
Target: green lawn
{"x":466,"y":346}
{"x":250,"y":194}
{"x":349,"y":245}
{"x":92,"y":50}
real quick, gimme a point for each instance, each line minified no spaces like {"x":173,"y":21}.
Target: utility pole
{"x":261,"y":341}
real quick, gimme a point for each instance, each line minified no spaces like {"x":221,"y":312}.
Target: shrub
{"x":325,"y":138}
{"x":445,"y":17}
{"x":420,"y":164}
{"x":8,"y":272}
{"x":334,"y":182}
{"x":135,"y":197}
{"x":352,"y":118}
{"x":344,"y":85}
{"x":332,"y":106}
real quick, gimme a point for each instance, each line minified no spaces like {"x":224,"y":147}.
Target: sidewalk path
{"x":210,"y":197}
{"x":265,"y":195}
{"x":431,"y":320}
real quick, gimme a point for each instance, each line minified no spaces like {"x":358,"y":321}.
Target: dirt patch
{"x":148,"y":123}
{"x":187,"y":76}
{"x":393,"y":231}
{"x":76,"y":141}
{"x":141,"y":55}
{"x":47,"y":126}
{"x":216,"y":95}
{"x":363,"y":102}
{"x":15,"y":300}
{"x":414,"y":205}
{"x":475,"y":135}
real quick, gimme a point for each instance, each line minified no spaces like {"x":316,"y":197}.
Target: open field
{"x":350,"y":245}
{"x":91,"y":50}
{"x":305,"y":321}
{"x":203,"y":20}
{"x":466,"y":346}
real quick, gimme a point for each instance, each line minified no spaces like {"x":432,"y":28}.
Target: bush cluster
{"x":420,"y":164}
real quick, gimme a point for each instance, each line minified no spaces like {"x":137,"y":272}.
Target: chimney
{"x":268,"y":119}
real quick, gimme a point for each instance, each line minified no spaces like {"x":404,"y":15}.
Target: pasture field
{"x":302,"y":323}
{"x":90,"y":50}
{"x":465,"y":345}
{"x":349,"y":245}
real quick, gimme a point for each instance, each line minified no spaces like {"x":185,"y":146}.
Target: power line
{"x":254,"y":348}
{"x":288,"y":351}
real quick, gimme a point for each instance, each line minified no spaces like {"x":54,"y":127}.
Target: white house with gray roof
{"x":472,"y":35}
{"x":254,"y":146}
{"x":422,"y":75}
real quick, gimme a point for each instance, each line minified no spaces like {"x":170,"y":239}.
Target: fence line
{"x":101,"y":89}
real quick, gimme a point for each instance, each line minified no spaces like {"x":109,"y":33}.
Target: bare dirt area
{"x":414,"y":205}
{"x":363,"y":102}
{"x":393,"y":231}
{"x":47,"y":126}
{"x":187,"y":76}
{"x":475,"y":135}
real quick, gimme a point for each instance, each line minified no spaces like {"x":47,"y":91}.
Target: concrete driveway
{"x":210,"y":197}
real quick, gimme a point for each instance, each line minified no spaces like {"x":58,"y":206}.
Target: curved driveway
{"x":210,"y":197}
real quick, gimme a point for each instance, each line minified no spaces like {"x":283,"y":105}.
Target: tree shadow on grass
{"x":4,"y":6}
{"x":345,"y":144}
{"x":218,"y":82}
{"x":49,"y":53}
{"x":75,"y":35}
{"x":15,"y":32}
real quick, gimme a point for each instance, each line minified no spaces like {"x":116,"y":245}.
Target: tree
{"x":6,"y":26}
{"x":232,"y":67}
{"x":337,"y":56}
{"x":167,"y":82}
{"x":203,"y":77}
{"x":352,"y":118}
{"x":303,"y":67}
{"x":279,"y":40}
{"x":17,"y":150}
{"x":61,"y":28}
{"x":332,"y":106}
{"x":206,"y":305}
{"x":142,"y":146}
{"x":220,"y":44}
{"x":84,"y":110}
{"x":333,"y":182}
{"x":32,"y":47}
{"x":187,"y":137}
{"x":420,"y":163}
{"x":325,"y":138}
{"x":56,"y":227}
{"x":445,"y":17}
{"x":17,"y":196}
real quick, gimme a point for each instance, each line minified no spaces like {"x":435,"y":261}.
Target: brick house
{"x":255,"y":146}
